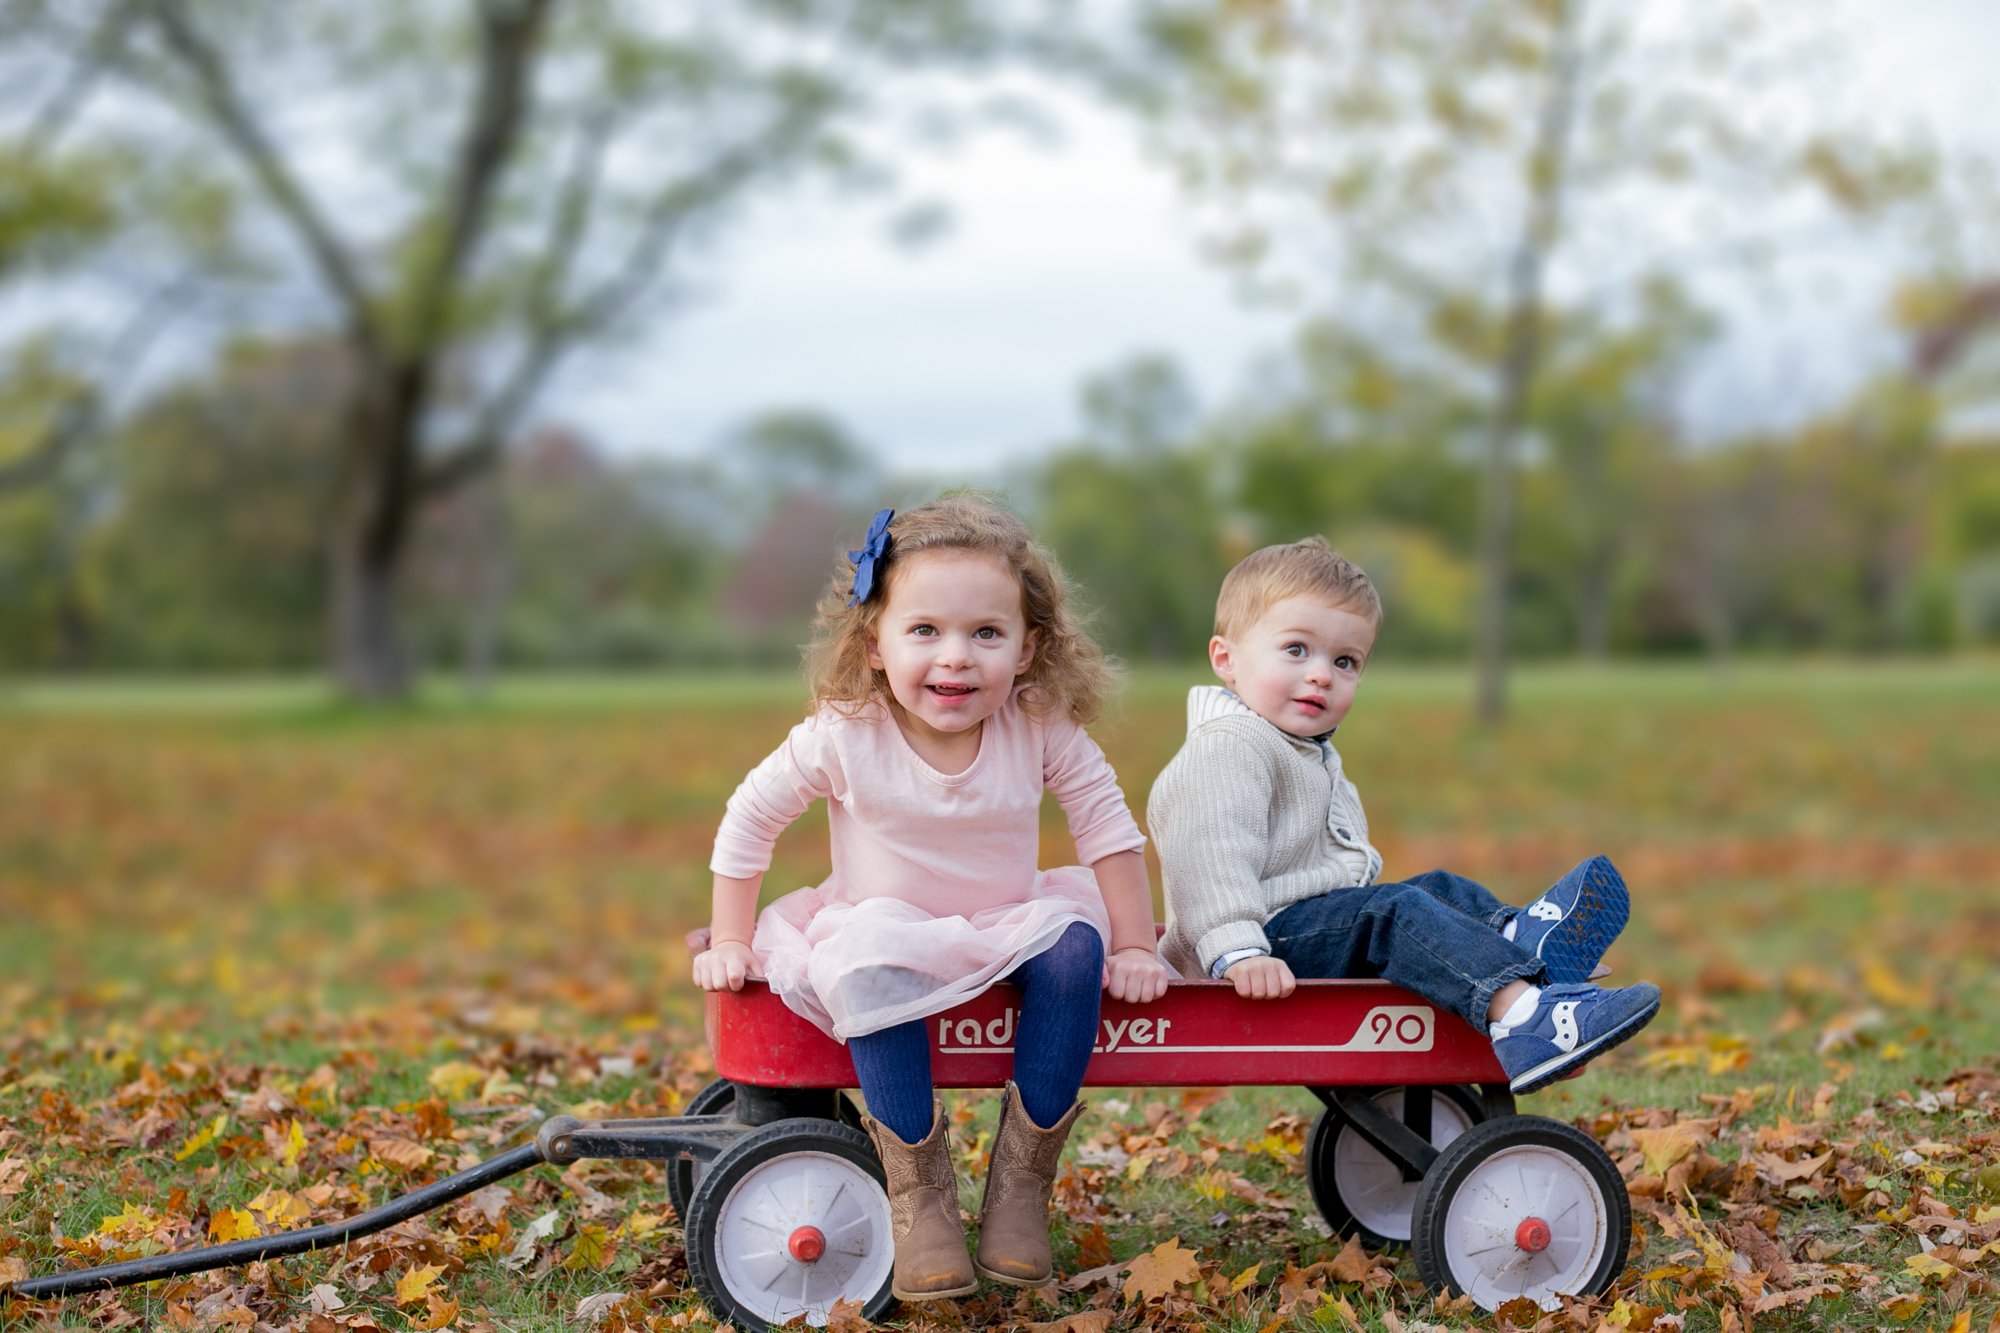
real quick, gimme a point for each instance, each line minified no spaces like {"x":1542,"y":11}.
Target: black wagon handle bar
{"x":237,"y":1252}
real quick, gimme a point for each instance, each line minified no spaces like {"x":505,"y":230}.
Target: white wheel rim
{"x":754,"y":1226}
{"x":1370,"y":1185}
{"x":1485,"y":1213}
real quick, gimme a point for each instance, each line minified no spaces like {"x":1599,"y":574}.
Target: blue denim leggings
{"x":1060,"y":986}
{"x":1437,"y":935}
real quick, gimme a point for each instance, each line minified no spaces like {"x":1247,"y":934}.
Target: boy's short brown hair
{"x":1308,"y":568}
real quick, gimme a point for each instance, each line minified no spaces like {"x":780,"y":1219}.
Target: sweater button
{"x":1343,"y":833}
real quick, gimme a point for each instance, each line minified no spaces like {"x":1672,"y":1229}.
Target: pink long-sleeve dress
{"x":935,"y":893}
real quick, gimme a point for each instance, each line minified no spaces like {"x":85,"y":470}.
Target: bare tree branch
{"x":554,"y":330}
{"x":1941,"y":343}
{"x":103,"y":49}
{"x":509,"y":35}
{"x":240,"y":129}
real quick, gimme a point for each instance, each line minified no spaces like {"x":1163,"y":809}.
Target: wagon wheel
{"x":719,"y":1098}
{"x":790,"y":1219}
{"x":1361,"y":1192}
{"x":1522,"y":1206}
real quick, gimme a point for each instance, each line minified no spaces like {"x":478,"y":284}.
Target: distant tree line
{"x":384,"y":229}
{"x":1873,"y":529}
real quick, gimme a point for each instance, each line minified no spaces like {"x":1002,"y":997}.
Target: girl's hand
{"x":724,"y":966}
{"x":1135,"y":975}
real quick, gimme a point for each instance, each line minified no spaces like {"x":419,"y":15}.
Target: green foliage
{"x":215,"y":556}
{"x":1133,"y":518}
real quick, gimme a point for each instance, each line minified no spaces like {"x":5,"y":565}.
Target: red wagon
{"x":782,"y":1199}
{"x":1419,"y":1144}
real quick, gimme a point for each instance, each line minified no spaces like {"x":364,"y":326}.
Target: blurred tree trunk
{"x":1593,"y":615}
{"x":494,"y":239}
{"x":492,"y":577}
{"x":1520,"y":358}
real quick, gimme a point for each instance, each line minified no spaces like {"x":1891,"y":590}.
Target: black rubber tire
{"x":1323,"y":1178}
{"x":719,"y":1098}
{"x":780,"y":1138}
{"x":1449,"y":1174}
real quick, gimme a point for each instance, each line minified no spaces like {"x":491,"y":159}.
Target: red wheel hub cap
{"x":809,"y":1243}
{"x":1532,"y":1235}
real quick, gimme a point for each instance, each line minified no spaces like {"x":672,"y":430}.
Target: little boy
{"x":1268,"y":869}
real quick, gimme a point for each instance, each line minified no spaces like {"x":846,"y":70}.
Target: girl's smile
{"x":951,"y":640}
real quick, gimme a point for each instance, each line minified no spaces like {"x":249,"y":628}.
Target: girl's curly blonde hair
{"x":1069,"y":676}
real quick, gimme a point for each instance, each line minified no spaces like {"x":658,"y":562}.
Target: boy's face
{"x":1297,"y":667}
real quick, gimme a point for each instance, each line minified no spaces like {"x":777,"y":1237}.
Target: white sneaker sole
{"x":1548,"y":1071}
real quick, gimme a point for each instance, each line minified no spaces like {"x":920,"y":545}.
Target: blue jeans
{"x":1060,"y":991}
{"x":1437,"y":935}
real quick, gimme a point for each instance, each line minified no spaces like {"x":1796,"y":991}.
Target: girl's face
{"x":952,"y":639}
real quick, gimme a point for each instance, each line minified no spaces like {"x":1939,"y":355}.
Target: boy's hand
{"x":1135,"y":975}
{"x":1261,"y":978}
{"x":724,"y":966}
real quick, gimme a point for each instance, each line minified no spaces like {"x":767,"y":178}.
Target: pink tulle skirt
{"x":856,"y":968}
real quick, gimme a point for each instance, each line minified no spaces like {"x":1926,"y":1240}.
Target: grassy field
{"x":254,"y":942}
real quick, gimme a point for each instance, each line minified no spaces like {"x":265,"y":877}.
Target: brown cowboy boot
{"x":931,"y":1263}
{"x":1014,"y":1216}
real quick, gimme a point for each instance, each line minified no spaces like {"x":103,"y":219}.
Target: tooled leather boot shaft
{"x":1014,"y":1215}
{"x":931,"y":1263}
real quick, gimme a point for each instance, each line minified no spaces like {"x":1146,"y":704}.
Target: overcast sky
{"x":1064,"y":257}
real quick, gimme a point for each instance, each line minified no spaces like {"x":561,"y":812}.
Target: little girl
{"x":950,"y":687}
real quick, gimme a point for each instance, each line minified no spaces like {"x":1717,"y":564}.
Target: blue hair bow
{"x":874,"y":550}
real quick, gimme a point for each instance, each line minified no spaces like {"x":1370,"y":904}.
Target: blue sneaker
{"x":1571,"y":925}
{"x":1571,"y":1026}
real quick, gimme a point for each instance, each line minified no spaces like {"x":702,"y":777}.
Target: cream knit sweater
{"x":1249,"y":820}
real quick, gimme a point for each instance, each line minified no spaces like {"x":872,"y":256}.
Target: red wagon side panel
{"x":1201,"y":1034}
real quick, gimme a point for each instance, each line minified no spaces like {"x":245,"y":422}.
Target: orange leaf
{"x":846,"y":1317}
{"x":399,"y":1152}
{"x":442,"y":1312}
{"x":1160,"y":1270}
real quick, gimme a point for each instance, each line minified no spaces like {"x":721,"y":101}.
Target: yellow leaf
{"x":1962,"y":1324}
{"x":1244,"y":1278}
{"x":500,"y":1086}
{"x":591,"y":1250}
{"x":641,"y":1225}
{"x":1724,"y":1062}
{"x":1671,"y":1057}
{"x":1929,"y":1266}
{"x":203,"y":1137}
{"x":281,"y":1209}
{"x":441,"y":1312}
{"x":1340,"y":1307}
{"x":295,"y":1145}
{"x":1885,"y":986}
{"x":457,"y":1079}
{"x":1160,"y":1270}
{"x":1666,"y":1146}
{"x":1901,"y":1304}
{"x":131,"y":1216}
{"x":415,"y":1285}
{"x":233,"y":1224}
